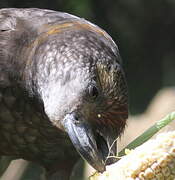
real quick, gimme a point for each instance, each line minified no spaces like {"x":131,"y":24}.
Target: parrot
{"x":63,"y":90}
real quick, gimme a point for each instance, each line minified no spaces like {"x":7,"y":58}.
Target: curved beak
{"x":93,"y":145}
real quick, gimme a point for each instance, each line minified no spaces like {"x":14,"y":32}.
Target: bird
{"x":63,"y":90}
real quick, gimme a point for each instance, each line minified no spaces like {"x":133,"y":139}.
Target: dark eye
{"x":93,"y":92}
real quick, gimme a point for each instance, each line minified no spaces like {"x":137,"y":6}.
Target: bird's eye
{"x":93,"y":92}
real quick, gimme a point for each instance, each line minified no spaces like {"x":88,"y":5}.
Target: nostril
{"x":75,"y":116}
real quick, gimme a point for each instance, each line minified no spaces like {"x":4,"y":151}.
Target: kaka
{"x":62,"y":90}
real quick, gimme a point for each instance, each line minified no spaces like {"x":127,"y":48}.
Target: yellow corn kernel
{"x":154,"y":160}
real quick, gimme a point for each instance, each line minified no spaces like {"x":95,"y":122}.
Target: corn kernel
{"x":156,"y":168}
{"x":141,"y":175}
{"x":149,"y":173}
{"x":172,"y":151}
{"x":159,"y":176}
{"x":166,"y":171}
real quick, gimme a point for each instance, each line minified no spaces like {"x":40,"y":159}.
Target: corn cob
{"x":154,"y":160}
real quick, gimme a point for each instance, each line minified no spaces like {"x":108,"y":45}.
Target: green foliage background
{"x":144,"y":31}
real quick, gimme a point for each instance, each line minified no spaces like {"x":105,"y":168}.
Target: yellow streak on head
{"x":58,"y":28}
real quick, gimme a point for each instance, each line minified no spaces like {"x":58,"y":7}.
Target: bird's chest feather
{"x":26,"y":133}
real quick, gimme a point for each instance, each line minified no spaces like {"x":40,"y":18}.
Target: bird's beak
{"x":91,"y":145}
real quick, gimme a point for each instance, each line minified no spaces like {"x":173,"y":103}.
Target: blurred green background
{"x":144,"y":31}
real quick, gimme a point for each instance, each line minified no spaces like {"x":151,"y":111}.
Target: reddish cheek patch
{"x":115,"y":118}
